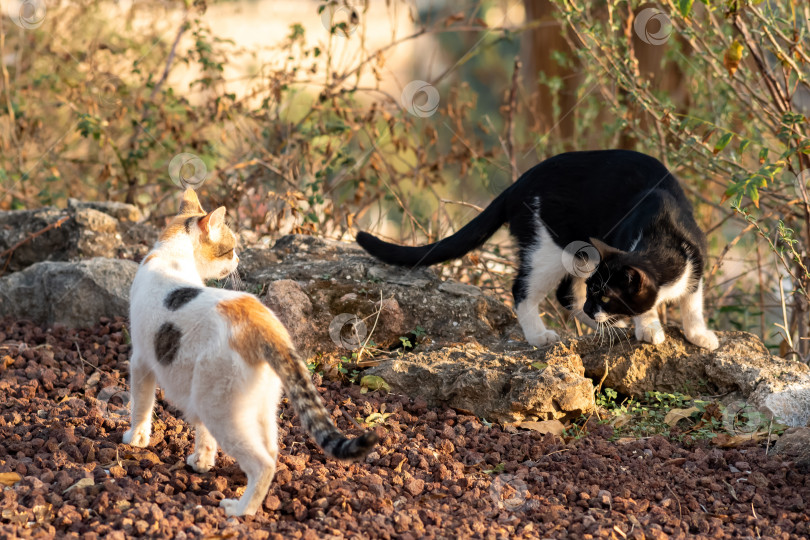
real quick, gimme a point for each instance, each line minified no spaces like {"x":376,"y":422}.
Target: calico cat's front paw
{"x":544,"y":337}
{"x":705,"y":338}
{"x":201,"y":464}
{"x":231,"y":507}
{"x":139,"y":438}
{"x":651,"y":333}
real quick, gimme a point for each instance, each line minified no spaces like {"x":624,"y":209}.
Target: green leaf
{"x":373,"y":382}
{"x":722,"y":143}
{"x":685,"y":7}
{"x":539,"y":365}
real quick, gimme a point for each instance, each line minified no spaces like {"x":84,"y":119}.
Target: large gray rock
{"x":71,"y":293}
{"x":775,"y":386}
{"x":83,"y":233}
{"x":795,"y":444}
{"x":343,"y":290}
{"x":498,"y":386}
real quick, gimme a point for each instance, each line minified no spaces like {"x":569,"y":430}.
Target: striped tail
{"x":316,"y":420}
{"x":258,"y":336}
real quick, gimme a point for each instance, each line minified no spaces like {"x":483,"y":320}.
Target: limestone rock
{"x":497,"y":386}
{"x":71,"y":293}
{"x":795,"y":444}
{"x":84,"y":233}
{"x":775,"y":386}
{"x":345,"y":285}
{"x":118,"y":210}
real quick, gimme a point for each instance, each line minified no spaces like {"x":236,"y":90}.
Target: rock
{"x":84,"y":233}
{"x":120,"y":211}
{"x":774,"y":386}
{"x":354,"y":296}
{"x":71,"y":293}
{"x":497,"y":386}
{"x":97,"y":234}
{"x":459,"y":289}
{"x":795,"y":444}
{"x":293,"y":307}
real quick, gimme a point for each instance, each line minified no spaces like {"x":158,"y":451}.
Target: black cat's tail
{"x":469,"y":237}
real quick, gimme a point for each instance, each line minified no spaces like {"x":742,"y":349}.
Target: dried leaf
{"x":621,"y":420}
{"x":725,"y":440}
{"x":9,"y":478}
{"x":733,"y":56}
{"x":555,"y":427}
{"x":83,"y":483}
{"x":676,"y":415}
{"x":142,"y":454}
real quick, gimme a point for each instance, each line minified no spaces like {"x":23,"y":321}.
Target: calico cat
{"x":611,"y":229}
{"x":221,"y":356}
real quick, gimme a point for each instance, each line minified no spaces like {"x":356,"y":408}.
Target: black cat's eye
{"x":605,"y":299}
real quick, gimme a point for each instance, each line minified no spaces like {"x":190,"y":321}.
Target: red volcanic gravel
{"x":436,"y":473}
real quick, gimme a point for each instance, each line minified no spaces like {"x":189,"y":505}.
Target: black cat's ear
{"x":637,"y":279}
{"x":191,"y":204}
{"x":603,"y":249}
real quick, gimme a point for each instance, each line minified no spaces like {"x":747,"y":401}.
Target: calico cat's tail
{"x":471,"y":236}
{"x":316,"y":420}
{"x":258,"y":336}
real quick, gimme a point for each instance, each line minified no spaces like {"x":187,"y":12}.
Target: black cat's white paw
{"x":543,"y":337}
{"x":704,"y":338}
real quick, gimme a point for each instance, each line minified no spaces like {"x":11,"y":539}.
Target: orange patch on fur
{"x":177,"y":226}
{"x":149,"y":258}
{"x":253,"y":326}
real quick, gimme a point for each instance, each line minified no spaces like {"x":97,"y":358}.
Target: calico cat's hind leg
{"x":258,"y":464}
{"x":649,"y":328}
{"x":205,"y":449}
{"x":694,"y":325}
{"x":142,"y":389}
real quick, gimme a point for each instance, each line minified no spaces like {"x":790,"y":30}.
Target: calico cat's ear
{"x":213,"y":220}
{"x":603,"y":249}
{"x":191,"y":204}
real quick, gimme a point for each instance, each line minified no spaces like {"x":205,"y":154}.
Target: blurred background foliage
{"x":301,"y":116}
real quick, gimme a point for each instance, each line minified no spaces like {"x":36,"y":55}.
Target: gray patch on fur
{"x":167,"y":343}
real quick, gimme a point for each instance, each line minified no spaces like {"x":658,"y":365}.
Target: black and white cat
{"x":611,"y":229}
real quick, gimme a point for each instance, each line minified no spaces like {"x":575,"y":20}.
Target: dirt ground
{"x":436,"y":473}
